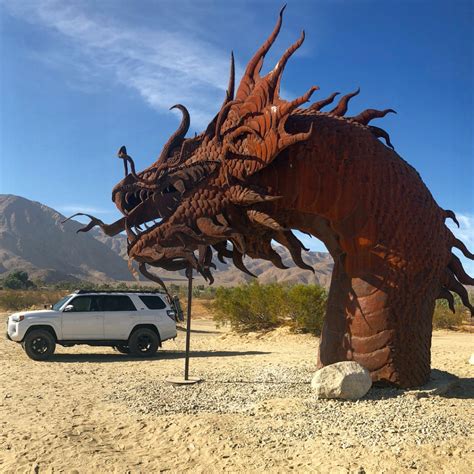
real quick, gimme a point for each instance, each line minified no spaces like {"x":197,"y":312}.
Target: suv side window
{"x":153,"y":302}
{"x":85,"y":304}
{"x":117,"y":303}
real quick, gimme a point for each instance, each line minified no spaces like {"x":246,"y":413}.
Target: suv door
{"x":155,"y":310}
{"x":85,"y":321}
{"x":119,"y":316}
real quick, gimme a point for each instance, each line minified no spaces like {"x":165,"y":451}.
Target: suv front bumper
{"x":13,"y":331}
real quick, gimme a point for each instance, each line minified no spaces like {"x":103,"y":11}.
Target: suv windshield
{"x":58,"y":305}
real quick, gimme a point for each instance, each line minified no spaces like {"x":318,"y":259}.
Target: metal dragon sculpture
{"x":265,"y":166}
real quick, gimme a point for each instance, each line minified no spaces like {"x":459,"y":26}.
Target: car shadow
{"x":161,"y":355}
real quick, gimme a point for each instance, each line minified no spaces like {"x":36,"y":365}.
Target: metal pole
{"x":188,"y":322}
{"x":187,"y":380}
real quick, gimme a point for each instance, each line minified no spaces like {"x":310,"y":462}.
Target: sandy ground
{"x":93,"y":410}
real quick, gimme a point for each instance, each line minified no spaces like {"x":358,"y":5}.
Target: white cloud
{"x":165,"y":67}
{"x":73,"y":209}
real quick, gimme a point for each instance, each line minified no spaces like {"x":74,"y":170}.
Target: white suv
{"x":132,"y":322}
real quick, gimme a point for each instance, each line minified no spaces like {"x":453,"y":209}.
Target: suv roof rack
{"x":82,"y":291}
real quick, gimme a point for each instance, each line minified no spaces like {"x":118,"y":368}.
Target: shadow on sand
{"x":197,"y":331}
{"x":442,"y":384}
{"x":161,"y":355}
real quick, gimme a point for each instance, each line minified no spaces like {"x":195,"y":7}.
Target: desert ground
{"x":94,"y":410}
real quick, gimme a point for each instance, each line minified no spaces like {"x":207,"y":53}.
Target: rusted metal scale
{"x":265,"y":166}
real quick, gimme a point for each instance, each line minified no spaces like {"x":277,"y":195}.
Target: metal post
{"x":187,"y":380}
{"x":188,"y":322}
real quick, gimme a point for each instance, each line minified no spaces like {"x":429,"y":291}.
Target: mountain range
{"x":32,"y":238}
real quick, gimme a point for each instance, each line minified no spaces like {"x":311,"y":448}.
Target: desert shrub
{"x":255,"y":307}
{"x":306,"y":307}
{"x":204,"y":292}
{"x":444,"y":318}
{"x":15,"y":300}
{"x":18,"y":280}
{"x":249,"y":307}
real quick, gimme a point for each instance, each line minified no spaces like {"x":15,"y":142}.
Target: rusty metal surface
{"x":265,"y":166}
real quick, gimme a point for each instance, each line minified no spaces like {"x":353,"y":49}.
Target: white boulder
{"x":347,"y":380}
{"x":471,"y":359}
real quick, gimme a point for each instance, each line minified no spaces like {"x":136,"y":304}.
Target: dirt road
{"x":94,"y":410}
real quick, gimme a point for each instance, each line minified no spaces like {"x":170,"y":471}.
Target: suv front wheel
{"x":39,"y":344}
{"x":143,"y":342}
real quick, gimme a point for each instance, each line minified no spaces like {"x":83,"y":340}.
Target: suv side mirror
{"x":68,"y":308}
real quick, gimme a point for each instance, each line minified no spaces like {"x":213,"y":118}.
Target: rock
{"x":347,"y":380}
{"x":471,"y":359}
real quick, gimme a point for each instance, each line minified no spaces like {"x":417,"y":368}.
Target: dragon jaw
{"x":152,"y":201}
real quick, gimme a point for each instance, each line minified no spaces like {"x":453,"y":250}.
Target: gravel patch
{"x":276,"y":403}
{"x":239,"y":393}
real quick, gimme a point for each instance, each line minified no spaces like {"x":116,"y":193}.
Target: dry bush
{"x":249,"y":307}
{"x":306,"y":306}
{"x":17,"y":300}
{"x":255,"y":307}
{"x":444,"y":318}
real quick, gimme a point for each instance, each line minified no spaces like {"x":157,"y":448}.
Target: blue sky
{"x":79,"y":79}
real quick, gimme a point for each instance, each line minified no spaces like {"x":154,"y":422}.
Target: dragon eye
{"x":170,"y":189}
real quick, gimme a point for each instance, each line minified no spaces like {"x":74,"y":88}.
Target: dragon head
{"x":196,"y":196}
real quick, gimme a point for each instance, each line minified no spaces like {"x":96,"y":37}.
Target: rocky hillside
{"x":32,"y":238}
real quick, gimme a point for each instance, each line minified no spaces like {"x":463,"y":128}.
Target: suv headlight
{"x":18,"y":318}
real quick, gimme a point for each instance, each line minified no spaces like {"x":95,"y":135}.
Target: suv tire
{"x":39,"y":344}
{"x":143,"y":342}
{"x":123,"y":349}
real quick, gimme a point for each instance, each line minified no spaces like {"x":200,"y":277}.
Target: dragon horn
{"x":255,"y":64}
{"x":122,"y":154}
{"x":322,"y":103}
{"x":341,"y":107}
{"x":280,"y":66}
{"x":367,"y":115}
{"x":177,"y":136}
{"x":231,"y":85}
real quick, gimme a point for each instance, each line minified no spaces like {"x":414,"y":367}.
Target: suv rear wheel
{"x":143,"y":342}
{"x":39,"y":344}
